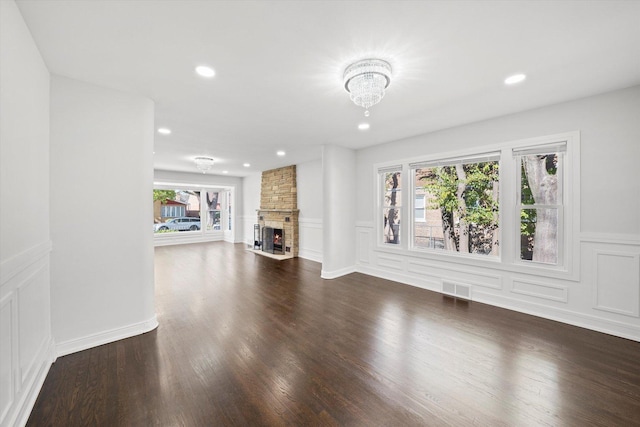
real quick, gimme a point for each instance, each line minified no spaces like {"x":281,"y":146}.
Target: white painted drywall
{"x":609,"y":129}
{"x":309,"y":184}
{"x":26,"y":345}
{"x":251,"y":203}
{"x":101,"y":205}
{"x":338,"y":213}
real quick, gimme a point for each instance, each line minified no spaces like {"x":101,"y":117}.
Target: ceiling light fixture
{"x":366,"y":82}
{"x":364,"y":126}
{"x":246,"y":165}
{"x":515,"y":79}
{"x":164,"y":131}
{"x":281,"y":153}
{"x":205,"y":71}
{"x":204,"y":163}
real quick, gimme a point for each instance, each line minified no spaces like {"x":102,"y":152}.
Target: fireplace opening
{"x":273,"y":240}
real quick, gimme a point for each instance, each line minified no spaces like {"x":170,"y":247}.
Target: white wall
{"x":309,"y":184}
{"x":205,"y":180}
{"x":26,"y":345}
{"x":607,"y":295}
{"x":251,"y":203}
{"x":338,"y":211}
{"x":101,"y":203}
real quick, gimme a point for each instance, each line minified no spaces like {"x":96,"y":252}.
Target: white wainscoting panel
{"x":363,"y":242}
{"x":549,"y":291}
{"x":7,"y":352}
{"x":310,"y":238}
{"x":454,"y":272}
{"x":604,"y":296}
{"x":26,"y":349}
{"x":617,"y":282}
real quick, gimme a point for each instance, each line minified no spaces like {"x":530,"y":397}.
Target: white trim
{"x":310,"y":254}
{"x":607,"y":326}
{"x":30,"y":391}
{"x":19,"y":262}
{"x":105,"y":337}
{"x":610,"y":238}
{"x":337,"y":273}
{"x":509,"y":224}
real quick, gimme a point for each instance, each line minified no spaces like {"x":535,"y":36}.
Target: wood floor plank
{"x":248,"y":340}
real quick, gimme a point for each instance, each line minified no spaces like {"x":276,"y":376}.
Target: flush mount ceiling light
{"x":281,"y":153}
{"x":205,"y":71}
{"x":364,"y":126}
{"x":366,"y":82}
{"x":515,"y":79}
{"x":204,"y":163}
{"x":164,"y":131}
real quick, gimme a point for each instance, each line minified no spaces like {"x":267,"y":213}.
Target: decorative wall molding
{"x":547,"y":291}
{"x":26,"y":352}
{"x":310,"y":241}
{"x":616,"y":277}
{"x":421,"y":267}
{"x":605,"y":297}
{"x":192,"y":238}
{"x":558,"y":314}
{"x":611,"y":238}
{"x":19,"y":262}
{"x":105,"y":337}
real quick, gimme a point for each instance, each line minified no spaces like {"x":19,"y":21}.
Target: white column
{"x":338,"y":211}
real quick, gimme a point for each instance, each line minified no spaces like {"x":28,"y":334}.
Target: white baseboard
{"x":310,"y":255}
{"x":337,"y":273}
{"x":94,"y":340}
{"x":29,"y":394}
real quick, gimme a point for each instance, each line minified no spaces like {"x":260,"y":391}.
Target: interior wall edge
{"x":106,"y":337}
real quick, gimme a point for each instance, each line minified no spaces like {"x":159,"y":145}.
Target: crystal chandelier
{"x":366,"y":81}
{"x":204,"y":163}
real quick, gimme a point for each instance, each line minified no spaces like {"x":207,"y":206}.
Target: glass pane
{"x":392,"y":189}
{"x":539,"y":235}
{"x":391,"y":226}
{"x":176,"y":210}
{"x":460,"y":209}
{"x":229,"y":210}
{"x":539,"y":179}
{"x":213,"y":210}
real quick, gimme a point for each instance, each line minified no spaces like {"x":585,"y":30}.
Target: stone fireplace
{"x":279,"y":211}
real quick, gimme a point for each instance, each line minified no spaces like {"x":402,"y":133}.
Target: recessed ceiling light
{"x":205,"y":71}
{"x":364,"y":126}
{"x":246,"y":165}
{"x":164,"y":131}
{"x":281,"y":153}
{"x":516,"y":78}
{"x":225,"y":171}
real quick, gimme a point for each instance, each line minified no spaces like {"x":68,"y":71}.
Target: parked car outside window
{"x":178,"y":224}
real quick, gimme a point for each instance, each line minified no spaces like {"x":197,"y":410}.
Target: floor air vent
{"x":456,"y":289}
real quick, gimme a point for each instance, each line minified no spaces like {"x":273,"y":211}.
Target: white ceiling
{"x":279,"y":66}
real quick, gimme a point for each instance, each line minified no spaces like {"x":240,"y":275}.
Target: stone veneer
{"x":279,"y":205}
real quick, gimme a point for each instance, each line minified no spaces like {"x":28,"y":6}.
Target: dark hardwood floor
{"x":246,"y":340}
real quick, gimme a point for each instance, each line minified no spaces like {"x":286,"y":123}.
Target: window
{"x":391,"y":205}
{"x":213,"y":210}
{"x":176,"y":210}
{"x":418,"y":208}
{"x":229,"y":216}
{"x":462,"y":205}
{"x":540,"y":203}
{"x":515,"y":205}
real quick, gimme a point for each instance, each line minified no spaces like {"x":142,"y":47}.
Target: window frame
{"x":508,"y":260}
{"x":202,"y":234}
